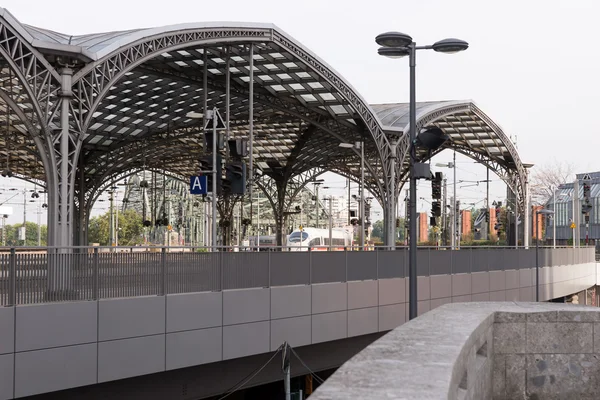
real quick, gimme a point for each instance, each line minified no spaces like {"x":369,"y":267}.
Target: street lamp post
{"x":396,"y":45}
{"x":543,"y":211}
{"x":356,"y":146}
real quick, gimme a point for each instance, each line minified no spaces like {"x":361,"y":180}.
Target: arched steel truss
{"x":91,"y":108}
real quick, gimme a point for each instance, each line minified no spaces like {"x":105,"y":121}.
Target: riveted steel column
{"x":64,"y":232}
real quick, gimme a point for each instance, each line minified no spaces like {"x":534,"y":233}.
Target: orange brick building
{"x":423,"y":227}
{"x":466,"y":222}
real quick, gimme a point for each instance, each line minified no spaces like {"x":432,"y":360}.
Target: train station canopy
{"x":78,"y":111}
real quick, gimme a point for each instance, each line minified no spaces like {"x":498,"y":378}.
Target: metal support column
{"x":251,"y":123}
{"x":526,"y":213}
{"x":391,"y":206}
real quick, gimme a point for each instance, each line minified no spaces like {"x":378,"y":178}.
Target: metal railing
{"x":42,"y":275}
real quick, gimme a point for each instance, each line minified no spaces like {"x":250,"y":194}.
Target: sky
{"x":531,"y":66}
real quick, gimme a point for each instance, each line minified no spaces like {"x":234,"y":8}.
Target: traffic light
{"x":432,"y":221}
{"x":235,"y":173}
{"x":586,"y":192}
{"x":397,"y":222}
{"x":436,"y":186}
{"x":206,"y":169}
{"x":238,"y":148}
{"x":436,"y":209}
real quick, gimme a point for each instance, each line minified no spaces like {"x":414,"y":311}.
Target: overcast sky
{"x":532,"y":65}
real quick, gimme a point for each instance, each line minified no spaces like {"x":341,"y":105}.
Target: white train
{"x":318,"y":239}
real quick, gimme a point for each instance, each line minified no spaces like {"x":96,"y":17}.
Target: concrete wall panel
{"x":525,"y":276}
{"x":392,"y":291}
{"x":362,"y":294}
{"x":499,"y":295}
{"x":435,"y":303}
{"x":329,"y":297}
{"x":497,"y":280}
{"x":290,"y":301}
{"x":423,"y":292}
{"x":7,"y":330}
{"x":246,"y":305}
{"x":512,"y":279}
{"x":330,"y":326}
{"x":527,"y":294}
{"x":461,"y":284}
{"x":480,"y":282}
{"x":194,"y":311}
{"x":461,"y":299}
{"x":512,"y":295}
{"x":296,"y":331}
{"x":441,"y":286}
{"x":480,"y":296}
{"x":246,"y":339}
{"x":423,"y":306}
{"x":391,"y":316}
{"x":119,"y":359}
{"x":362,"y":321}
{"x":185,"y":349}
{"x":48,"y":370}
{"x":132,"y":317}
{"x":6,"y":376}
{"x":53,"y":325}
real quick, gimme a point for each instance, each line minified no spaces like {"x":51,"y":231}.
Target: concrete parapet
{"x":479,"y":351}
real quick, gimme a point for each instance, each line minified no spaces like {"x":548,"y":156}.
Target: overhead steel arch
{"x":96,"y":79}
{"x":472,"y":133}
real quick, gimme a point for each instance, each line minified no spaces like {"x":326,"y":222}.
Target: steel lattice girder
{"x":472,"y":133}
{"x":131,"y":91}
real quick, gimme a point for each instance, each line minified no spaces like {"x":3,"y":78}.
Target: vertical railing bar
{"x":95,"y":276}
{"x":164,"y":271}
{"x":12,"y":298}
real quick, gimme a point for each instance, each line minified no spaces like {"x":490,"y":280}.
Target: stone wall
{"x":474,"y":351}
{"x":547,"y":355}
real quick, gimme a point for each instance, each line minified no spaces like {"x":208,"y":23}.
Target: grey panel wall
{"x":119,"y":359}
{"x":328,"y":297}
{"x":152,"y":334}
{"x":54,"y":325}
{"x":7,"y":330}
{"x":194,"y":311}
{"x":290,"y":301}
{"x":6,"y":376}
{"x":245,"y":339}
{"x":246,"y":305}
{"x":185,"y":349}
{"x":131,"y":317}
{"x":59,"y":368}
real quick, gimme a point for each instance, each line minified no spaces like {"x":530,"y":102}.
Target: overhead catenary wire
{"x":318,"y":379}
{"x":250,"y":376}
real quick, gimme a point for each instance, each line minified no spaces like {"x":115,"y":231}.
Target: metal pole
{"x":286,"y":371}
{"x":330,"y":222}
{"x":317,"y":205}
{"x":362,"y":195}
{"x":444,"y":213}
{"x":392,"y":199}
{"x":516,"y":216}
{"x":24,"y":217}
{"x":412,"y":263}
{"x":349,"y":201}
{"x":111,"y":233}
{"x":487,"y":202}
{"x":455,"y":235}
{"x":537,"y":262}
{"x":214,"y":181}
{"x":117,"y":223}
{"x":257,"y":220}
{"x":251,"y":121}
{"x":554,"y":221}
{"x":575,"y":211}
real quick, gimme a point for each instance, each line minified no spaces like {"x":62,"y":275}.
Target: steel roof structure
{"x":77,"y":112}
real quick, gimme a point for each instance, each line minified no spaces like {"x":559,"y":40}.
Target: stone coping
{"x":428,"y":357}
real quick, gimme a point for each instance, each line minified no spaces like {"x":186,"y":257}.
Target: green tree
{"x":378,"y":231}
{"x":130,"y":229}
{"x":31,"y":234}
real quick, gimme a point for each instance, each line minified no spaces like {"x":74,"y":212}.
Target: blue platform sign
{"x":198,"y":185}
